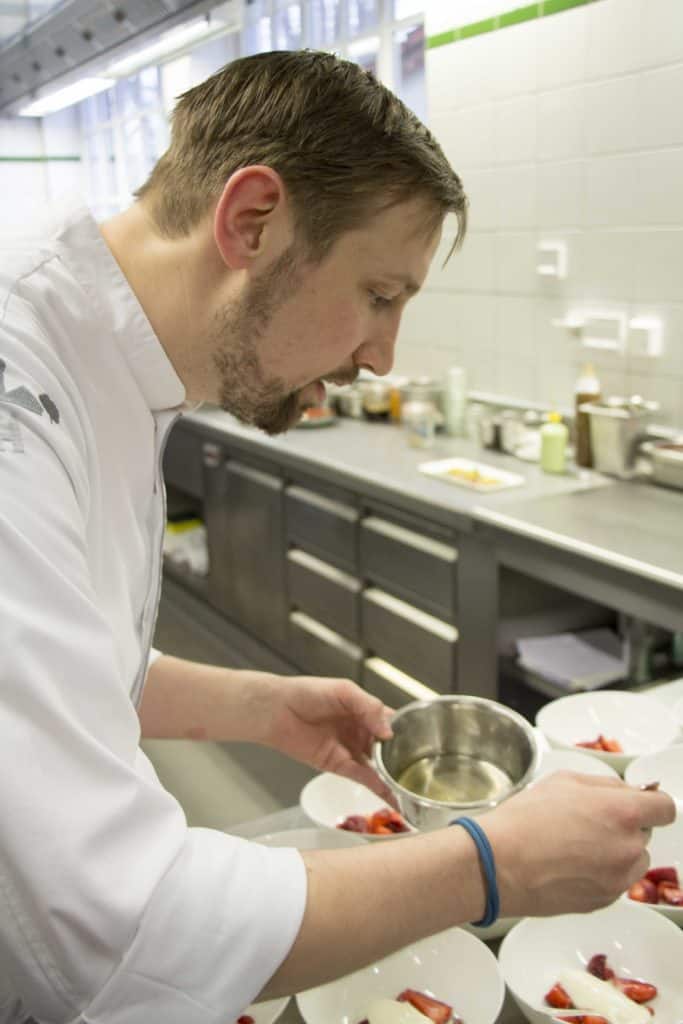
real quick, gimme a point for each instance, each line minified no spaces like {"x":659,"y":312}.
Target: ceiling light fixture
{"x":170,"y":44}
{"x":65,"y":97}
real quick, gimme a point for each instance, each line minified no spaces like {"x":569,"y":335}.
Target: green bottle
{"x":554,"y":436}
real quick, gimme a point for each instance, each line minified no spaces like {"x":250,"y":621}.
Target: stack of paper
{"x":575,"y":661}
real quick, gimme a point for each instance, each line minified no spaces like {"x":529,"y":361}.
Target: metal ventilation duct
{"x":80,"y":37}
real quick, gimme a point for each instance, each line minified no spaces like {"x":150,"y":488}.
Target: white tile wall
{"x":566,"y":128}
{"x":27,"y":188}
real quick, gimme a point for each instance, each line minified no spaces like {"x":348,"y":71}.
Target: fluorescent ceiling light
{"x":65,"y":97}
{"x":170,"y":43}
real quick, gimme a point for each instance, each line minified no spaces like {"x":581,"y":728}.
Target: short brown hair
{"x":345,"y":146}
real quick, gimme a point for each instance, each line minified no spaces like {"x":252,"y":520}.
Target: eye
{"x":380,"y":301}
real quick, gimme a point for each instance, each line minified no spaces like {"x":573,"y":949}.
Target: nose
{"x":377,"y":352}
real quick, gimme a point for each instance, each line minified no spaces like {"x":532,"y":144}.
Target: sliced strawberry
{"x":670,"y":894}
{"x":245,"y":1019}
{"x":644,"y":891}
{"x":591,"y":1018}
{"x":610,"y":746}
{"x":638,"y":991}
{"x":590,"y":744}
{"x":558,"y":998}
{"x":658,"y":875}
{"x":354,"y":823}
{"x":385,"y":821}
{"x":434,"y":1009}
{"x":597,"y":966}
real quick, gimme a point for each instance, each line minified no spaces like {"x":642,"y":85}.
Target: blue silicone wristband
{"x":489,"y":865}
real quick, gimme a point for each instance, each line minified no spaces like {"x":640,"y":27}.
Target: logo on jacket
{"x":25,"y":399}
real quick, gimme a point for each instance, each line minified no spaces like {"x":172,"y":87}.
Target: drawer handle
{"x":400,"y":534}
{"x":321,"y":568}
{"x":326,"y":504}
{"x":324,"y":633}
{"x":406,"y":611}
{"x":401,"y":680}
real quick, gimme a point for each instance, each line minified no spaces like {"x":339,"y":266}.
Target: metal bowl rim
{"x":425,"y":801}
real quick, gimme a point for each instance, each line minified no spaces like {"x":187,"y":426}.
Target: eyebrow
{"x":410,"y":284}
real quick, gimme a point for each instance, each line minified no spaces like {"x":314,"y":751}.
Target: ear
{"x":252,"y":219}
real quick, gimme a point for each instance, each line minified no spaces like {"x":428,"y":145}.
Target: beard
{"x":267,"y":403}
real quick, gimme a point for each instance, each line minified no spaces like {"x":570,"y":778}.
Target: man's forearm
{"x":186,"y":700}
{"x":364,"y":903}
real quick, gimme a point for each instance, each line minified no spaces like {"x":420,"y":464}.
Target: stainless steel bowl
{"x":455,"y":755}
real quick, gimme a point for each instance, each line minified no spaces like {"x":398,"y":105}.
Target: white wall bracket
{"x":553,"y":259}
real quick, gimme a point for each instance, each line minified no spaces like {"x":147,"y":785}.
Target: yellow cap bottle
{"x":554,"y":436}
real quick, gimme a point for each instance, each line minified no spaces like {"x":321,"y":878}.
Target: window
{"x":126,"y":128}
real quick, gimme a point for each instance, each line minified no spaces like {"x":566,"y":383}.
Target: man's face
{"x":299,"y":324}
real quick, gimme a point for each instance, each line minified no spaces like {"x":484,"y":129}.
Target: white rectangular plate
{"x":477,"y":476}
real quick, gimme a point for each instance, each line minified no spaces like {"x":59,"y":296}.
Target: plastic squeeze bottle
{"x":587,"y":390}
{"x":554,"y":436}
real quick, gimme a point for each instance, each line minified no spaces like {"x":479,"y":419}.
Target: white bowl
{"x":572,"y":761}
{"x":664,"y":767}
{"x":452,"y":966}
{"x":641,"y":724}
{"x":637,"y":943}
{"x":311,"y":838}
{"x":327,"y":799}
{"x":666,"y":850}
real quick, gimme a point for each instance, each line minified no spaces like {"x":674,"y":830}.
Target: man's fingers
{"x":657,"y":808}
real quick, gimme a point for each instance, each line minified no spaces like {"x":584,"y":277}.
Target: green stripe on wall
{"x":514,"y":17}
{"x":37,"y":159}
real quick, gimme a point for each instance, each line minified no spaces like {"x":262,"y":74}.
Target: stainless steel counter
{"x":629,"y":526}
{"x":617,"y":544}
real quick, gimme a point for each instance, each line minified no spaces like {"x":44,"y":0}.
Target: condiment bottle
{"x":587,"y":390}
{"x":554,"y":435}
{"x":455,"y":401}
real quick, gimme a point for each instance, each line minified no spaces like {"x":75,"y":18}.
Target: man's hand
{"x":572,"y":843}
{"x":327,"y":723}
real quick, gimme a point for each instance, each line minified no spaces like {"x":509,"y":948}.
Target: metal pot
{"x":618,"y":427}
{"x":455,"y":755}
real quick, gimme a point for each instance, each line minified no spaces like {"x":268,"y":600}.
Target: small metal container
{"x":455,"y":755}
{"x":617,"y":427}
{"x":667,"y":464}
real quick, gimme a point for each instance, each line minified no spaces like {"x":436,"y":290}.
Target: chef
{"x":273,"y":248}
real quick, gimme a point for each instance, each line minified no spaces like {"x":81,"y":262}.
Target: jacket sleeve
{"x":112,"y":910}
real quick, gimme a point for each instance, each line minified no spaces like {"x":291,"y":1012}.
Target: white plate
{"x":496,"y":479}
{"x":637,"y":943}
{"x":327,"y":799}
{"x":452,"y":966}
{"x":641,"y":724}
{"x":666,"y":850}
{"x":312,"y":838}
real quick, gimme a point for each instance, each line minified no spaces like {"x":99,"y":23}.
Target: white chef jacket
{"x":112,"y":910}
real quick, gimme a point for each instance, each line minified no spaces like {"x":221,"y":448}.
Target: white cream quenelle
{"x":601,"y":997}
{"x":389,"y":1011}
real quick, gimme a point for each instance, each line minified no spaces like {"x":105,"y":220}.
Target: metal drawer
{"x":328,"y":593}
{"x":318,"y":650}
{"x":322,"y":526}
{"x":415,"y":642}
{"x":182,"y":465}
{"x":416,"y":567}
{"x":392,"y":686}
